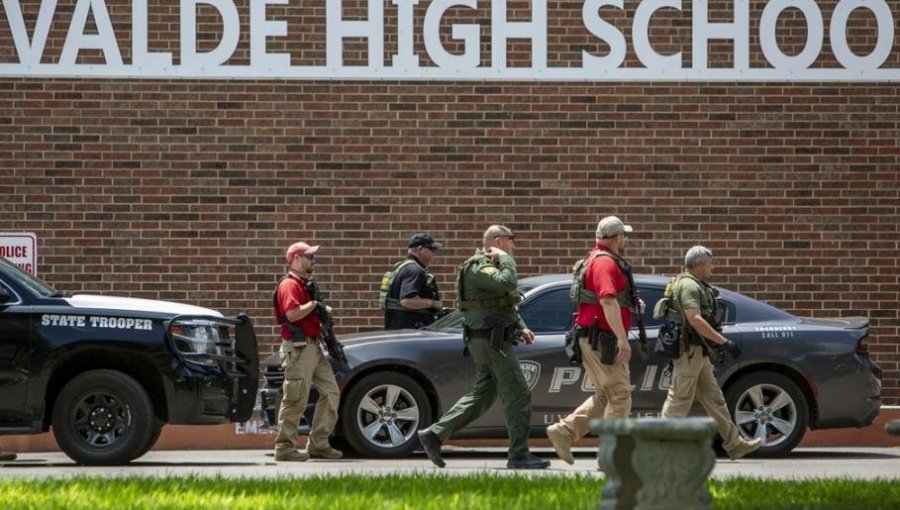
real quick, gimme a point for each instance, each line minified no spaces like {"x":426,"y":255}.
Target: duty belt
{"x":300,"y":341}
{"x":502,"y":302}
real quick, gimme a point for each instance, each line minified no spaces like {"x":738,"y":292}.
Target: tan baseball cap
{"x":612,"y":226}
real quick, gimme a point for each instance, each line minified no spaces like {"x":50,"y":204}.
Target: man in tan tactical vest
{"x":694,"y":305}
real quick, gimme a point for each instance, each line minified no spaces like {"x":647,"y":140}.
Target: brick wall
{"x":190,"y":190}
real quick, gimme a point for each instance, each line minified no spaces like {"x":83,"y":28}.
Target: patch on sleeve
{"x":488,"y":270}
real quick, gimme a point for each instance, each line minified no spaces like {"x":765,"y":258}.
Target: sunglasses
{"x":311,"y":256}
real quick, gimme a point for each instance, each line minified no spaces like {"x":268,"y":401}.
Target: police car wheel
{"x":103,"y":417}
{"x":770,"y":406}
{"x":381,"y":414}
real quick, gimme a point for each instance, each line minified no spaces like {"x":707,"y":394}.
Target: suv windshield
{"x":15,"y":275}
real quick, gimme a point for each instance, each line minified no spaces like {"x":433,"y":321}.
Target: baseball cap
{"x":300,"y":248}
{"x":423,"y":240}
{"x":612,"y":226}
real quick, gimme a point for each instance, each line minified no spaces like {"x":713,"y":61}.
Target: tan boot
{"x":561,"y":443}
{"x":325,"y":453}
{"x":744,"y":448}
{"x":291,"y":456}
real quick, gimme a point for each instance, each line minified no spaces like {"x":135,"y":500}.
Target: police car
{"x":795,"y":374}
{"x":106,"y":373}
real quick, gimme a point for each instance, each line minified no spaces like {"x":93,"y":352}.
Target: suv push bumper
{"x":217,"y":387}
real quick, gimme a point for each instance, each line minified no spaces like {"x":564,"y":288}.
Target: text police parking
{"x":81,"y":321}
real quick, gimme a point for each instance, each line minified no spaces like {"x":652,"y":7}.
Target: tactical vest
{"x":464,"y":304}
{"x":281,"y":317}
{"x":385,"y":301}
{"x":577,"y":292}
{"x":709,"y":307}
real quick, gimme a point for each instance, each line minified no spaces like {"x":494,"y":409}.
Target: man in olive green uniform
{"x":694,"y":305}
{"x":487,"y":296}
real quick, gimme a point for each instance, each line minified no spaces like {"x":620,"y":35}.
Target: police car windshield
{"x":16,"y":276}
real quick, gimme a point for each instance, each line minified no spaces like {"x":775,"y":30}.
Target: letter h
{"x":371,"y":29}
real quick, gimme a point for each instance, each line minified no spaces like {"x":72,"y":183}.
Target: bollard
{"x":655,"y":463}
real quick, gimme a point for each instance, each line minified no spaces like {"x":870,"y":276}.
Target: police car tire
{"x":133,"y":440}
{"x":350,"y":429}
{"x":785,"y":384}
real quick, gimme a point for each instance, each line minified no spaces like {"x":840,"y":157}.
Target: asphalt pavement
{"x":857,"y":463}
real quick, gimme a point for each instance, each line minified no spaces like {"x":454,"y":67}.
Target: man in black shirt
{"x":412,"y":299}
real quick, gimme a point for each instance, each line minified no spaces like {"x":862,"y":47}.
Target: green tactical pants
{"x":497,"y":374}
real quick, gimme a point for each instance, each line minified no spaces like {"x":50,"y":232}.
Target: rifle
{"x":636,"y":306}
{"x":332,"y":345}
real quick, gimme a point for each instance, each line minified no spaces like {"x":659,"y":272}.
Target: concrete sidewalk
{"x":856,"y":463}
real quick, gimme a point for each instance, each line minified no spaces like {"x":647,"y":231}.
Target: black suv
{"x":108,"y":372}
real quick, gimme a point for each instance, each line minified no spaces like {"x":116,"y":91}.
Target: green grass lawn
{"x":422,"y":491}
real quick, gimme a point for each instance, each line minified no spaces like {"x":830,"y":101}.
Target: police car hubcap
{"x":388,"y":416}
{"x":766,"y":411}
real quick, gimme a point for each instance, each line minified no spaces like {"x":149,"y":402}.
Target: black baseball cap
{"x":424,"y":240}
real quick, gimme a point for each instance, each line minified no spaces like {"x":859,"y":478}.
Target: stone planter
{"x":655,"y":463}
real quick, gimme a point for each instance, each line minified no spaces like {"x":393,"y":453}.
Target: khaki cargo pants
{"x":304,"y":366}
{"x":692,"y":379}
{"x":611,"y":398}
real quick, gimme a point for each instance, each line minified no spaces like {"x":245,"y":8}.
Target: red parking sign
{"x":21,"y":249}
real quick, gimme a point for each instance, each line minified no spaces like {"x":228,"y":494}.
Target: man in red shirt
{"x":609,"y":307}
{"x":303,"y":362}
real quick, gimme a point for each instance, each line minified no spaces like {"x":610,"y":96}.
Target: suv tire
{"x":103,"y":417}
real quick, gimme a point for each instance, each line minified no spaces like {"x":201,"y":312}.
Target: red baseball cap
{"x":300,"y":248}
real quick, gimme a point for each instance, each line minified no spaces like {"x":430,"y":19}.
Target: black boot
{"x":432,"y":446}
{"x":529,"y":462}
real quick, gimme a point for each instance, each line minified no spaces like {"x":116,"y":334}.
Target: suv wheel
{"x":103,"y":417}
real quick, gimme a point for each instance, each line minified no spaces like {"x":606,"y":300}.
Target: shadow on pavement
{"x":824,"y":454}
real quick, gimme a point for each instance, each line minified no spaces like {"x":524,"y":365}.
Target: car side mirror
{"x":4,"y":295}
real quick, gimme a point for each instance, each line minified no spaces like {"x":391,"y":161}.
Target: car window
{"x":548,"y":312}
{"x":452,"y":323}
{"x":650,"y":295}
{"x":728,"y":311}
{"x":13,"y":273}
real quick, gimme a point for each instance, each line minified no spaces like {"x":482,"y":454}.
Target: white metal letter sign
{"x":387,"y":33}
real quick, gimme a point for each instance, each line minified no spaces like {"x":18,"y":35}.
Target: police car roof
{"x":533,"y":282}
